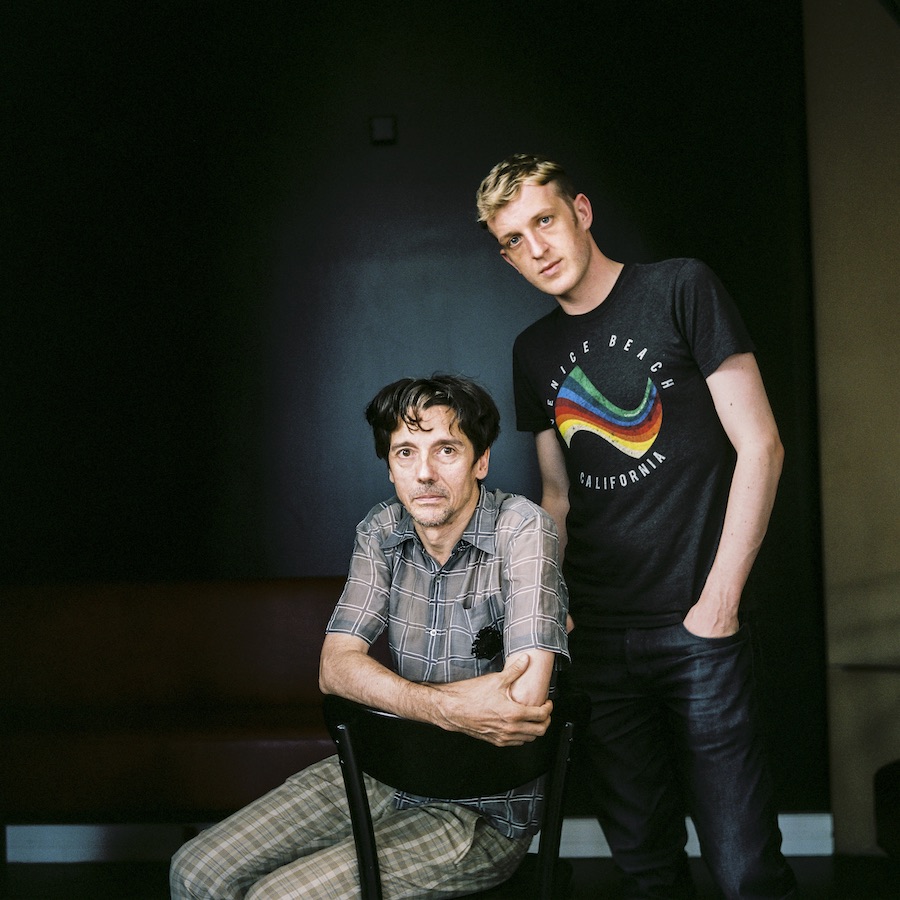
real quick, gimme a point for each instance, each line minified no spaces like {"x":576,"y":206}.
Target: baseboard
{"x":91,"y":843}
{"x":804,"y":835}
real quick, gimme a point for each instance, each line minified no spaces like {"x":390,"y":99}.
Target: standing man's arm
{"x":554,"y":482}
{"x":554,"y":489}
{"x":743,"y":408}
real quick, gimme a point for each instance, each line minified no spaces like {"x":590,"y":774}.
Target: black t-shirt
{"x":648,"y":461}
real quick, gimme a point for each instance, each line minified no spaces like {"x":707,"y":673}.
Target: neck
{"x":439,"y":541}
{"x":594,"y":288}
{"x":439,"y":551}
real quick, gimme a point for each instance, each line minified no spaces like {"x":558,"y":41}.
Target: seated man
{"x":467,"y":582}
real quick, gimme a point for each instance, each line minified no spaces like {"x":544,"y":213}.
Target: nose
{"x":425,"y":469}
{"x":536,"y":244}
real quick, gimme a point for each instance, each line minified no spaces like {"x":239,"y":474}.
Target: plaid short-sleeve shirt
{"x":501,"y":590}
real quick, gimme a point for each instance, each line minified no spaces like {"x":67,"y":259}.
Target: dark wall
{"x":209,"y":268}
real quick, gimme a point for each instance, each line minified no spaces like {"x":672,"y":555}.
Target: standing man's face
{"x":545,"y":238}
{"x":434,"y":470}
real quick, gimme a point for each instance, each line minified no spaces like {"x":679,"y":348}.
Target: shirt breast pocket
{"x":482,"y":621}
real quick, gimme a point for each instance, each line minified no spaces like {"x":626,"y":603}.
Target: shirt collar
{"x":480,"y":532}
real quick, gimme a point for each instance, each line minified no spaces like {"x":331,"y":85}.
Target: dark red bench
{"x":178,"y":702}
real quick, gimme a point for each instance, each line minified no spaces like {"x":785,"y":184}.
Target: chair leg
{"x":360,"y":818}
{"x":4,"y":864}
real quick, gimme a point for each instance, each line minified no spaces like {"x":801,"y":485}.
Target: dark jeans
{"x":671,"y":733}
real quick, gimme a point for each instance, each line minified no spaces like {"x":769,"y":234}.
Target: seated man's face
{"x":434,"y":470}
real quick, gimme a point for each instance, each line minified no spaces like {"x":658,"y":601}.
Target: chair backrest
{"x":428,"y":761}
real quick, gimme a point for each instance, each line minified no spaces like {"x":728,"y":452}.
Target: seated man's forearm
{"x":486,"y":707}
{"x":532,"y":687}
{"x":346,"y":669}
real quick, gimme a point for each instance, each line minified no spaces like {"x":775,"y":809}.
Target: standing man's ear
{"x":505,"y":255}
{"x":584,"y":213}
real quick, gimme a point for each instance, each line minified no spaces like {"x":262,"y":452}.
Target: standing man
{"x":659,"y":458}
{"x":467,"y":583}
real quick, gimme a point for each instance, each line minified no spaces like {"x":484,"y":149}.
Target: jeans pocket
{"x":739,"y":637}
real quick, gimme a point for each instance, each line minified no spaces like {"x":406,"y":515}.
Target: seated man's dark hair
{"x":404,"y":401}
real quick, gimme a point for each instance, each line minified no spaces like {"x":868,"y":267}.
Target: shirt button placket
{"x":435,"y":617}
{"x":437,"y":596}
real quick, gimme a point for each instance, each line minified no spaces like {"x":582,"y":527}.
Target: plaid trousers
{"x":297,"y":842}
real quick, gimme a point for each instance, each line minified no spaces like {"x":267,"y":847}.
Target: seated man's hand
{"x":502,"y":707}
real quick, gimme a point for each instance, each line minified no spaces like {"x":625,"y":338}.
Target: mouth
{"x":428,"y":498}
{"x":551,"y":268}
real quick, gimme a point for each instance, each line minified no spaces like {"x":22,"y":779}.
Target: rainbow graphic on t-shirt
{"x":581,"y":407}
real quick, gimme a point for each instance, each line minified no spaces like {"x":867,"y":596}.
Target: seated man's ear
{"x":482,"y":464}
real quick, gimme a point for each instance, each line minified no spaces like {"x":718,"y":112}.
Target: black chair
{"x":427,"y":761}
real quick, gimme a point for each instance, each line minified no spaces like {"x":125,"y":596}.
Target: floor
{"x":821,"y":878}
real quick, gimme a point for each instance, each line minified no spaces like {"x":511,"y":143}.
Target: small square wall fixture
{"x":383,"y":130}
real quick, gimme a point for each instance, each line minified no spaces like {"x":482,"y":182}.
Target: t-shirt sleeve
{"x":708,"y":317}
{"x":531,"y":414}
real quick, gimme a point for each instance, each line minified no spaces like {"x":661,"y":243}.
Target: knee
{"x":189,"y":877}
{"x":260,"y":891}
{"x":178,"y":875}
